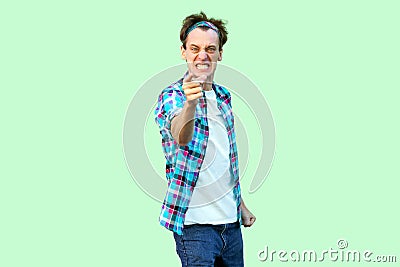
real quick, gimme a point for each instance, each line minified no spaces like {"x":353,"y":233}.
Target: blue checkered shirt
{"x":183,"y":163}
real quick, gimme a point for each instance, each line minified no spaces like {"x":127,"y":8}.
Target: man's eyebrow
{"x":208,"y":46}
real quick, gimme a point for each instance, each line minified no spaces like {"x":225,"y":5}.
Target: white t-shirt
{"x":213,"y":201}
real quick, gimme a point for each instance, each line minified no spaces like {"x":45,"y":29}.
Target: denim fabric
{"x":210,"y":245}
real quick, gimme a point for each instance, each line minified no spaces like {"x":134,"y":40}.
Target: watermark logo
{"x":140,"y":112}
{"x":342,"y":244}
{"x":341,"y":254}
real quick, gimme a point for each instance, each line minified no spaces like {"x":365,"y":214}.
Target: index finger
{"x":188,"y":77}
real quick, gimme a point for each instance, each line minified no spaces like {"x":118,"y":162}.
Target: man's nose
{"x":203,"y":55}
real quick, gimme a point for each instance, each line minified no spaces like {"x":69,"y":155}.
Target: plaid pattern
{"x":184,"y":162}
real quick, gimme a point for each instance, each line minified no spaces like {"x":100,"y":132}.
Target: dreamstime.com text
{"x":341,"y":254}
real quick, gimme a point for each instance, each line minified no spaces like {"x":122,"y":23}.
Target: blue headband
{"x":201,"y":24}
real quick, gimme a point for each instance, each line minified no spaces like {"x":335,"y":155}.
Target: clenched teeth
{"x":202,"y":66}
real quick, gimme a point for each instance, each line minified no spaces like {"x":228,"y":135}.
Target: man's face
{"x":202,"y":52}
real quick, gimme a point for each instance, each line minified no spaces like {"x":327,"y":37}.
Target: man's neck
{"x":207,"y":86}
{"x":208,"y":83}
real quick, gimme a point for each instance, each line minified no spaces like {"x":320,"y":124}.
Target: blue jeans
{"x":210,"y":245}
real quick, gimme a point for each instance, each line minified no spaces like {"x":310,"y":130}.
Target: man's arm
{"x":182,"y":125}
{"x":248,"y":218}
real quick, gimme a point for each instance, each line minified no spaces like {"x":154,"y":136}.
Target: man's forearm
{"x":241,"y":201}
{"x":242,"y":205}
{"x":182,"y":125}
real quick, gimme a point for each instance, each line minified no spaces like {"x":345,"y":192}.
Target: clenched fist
{"x":193,"y":89}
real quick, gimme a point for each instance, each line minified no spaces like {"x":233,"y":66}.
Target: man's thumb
{"x":188,"y":77}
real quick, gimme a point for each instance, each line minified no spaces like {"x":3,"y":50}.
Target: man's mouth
{"x":201,"y":66}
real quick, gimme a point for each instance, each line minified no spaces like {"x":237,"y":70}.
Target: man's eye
{"x":211,"y":49}
{"x":193,"y":49}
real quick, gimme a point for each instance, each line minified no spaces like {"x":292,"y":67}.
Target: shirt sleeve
{"x":170,"y":104}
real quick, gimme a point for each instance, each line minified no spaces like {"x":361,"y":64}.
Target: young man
{"x":203,"y":205}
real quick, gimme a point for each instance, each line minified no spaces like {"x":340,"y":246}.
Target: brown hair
{"x":194,"y":18}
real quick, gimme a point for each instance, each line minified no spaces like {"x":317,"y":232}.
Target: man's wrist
{"x":191,"y":104}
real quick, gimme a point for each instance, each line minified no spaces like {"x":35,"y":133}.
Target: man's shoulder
{"x":175,"y":87}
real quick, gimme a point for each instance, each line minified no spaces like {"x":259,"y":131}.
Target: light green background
{"x":69,"y":69}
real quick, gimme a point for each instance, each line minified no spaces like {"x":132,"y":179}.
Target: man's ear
{"x":183,"y":53}
{"x":220,"y":55}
